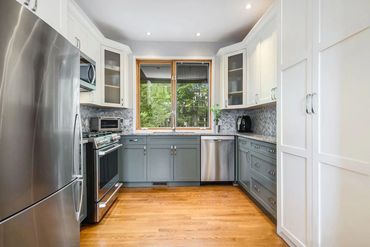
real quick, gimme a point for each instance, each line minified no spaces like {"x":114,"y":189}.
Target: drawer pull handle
{"x":272,"y":172}
{"x":256,"y":188}
{"x":133,"y":140}
{"x":144,"y":150}
{"x":272,"y":201}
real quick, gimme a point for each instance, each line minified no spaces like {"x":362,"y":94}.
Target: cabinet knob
{"x":34,"y":9}
{"x":272,"y":201}
{"x":272,"y":172}
{"x":256,"y":188}
{"x":27,"y":2}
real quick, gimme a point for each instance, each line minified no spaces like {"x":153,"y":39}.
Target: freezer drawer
{"x":51,"y":222}
{"x":217,"y":158}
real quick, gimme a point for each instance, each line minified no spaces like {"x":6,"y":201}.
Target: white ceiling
{"x":175,"y":20}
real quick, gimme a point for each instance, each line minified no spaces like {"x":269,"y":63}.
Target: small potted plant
{"x":216,"y":111}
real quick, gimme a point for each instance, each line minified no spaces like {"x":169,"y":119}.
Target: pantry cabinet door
{"x":341,"y":122}
{"x":295,"y":156}
{"x":295,"y":152}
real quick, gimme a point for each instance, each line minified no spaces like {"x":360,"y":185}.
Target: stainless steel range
{"x":103,"y":185}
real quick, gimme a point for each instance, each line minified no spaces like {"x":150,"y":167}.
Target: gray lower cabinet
{"x":257,"y":171}
{"x":160,"y":159}
{"x":187,"y":163}
{"x":134,"y":160}
{"x":244,"y":168}
{"x":160,"y":163}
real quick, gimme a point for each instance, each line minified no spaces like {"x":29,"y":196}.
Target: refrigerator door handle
{"x":78,"y":172}
{"x":79,"y":207}
{"x":81,"y":148}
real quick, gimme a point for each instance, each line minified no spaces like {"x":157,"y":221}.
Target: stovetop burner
{"x":101,"y":139}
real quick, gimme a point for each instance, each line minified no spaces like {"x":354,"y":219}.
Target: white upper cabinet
{"x":256,"y":82}
{"x":235,"y":79}
{"x":53,"y":12}
{"x":254,"y":72}
{"x":262,"y":61}
{"x":268,"y":62}
{"x":113,"y":77}
{"x":115,"y":88}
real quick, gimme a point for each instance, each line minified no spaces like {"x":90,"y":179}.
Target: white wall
{"x":174,"y":49}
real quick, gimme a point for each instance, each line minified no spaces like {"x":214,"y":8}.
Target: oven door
{"x":106,"y":169}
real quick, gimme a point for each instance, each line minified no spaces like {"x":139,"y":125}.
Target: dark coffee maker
{"x":244,"y":124}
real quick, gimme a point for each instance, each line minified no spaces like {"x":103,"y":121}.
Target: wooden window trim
{"x":173,"y":88}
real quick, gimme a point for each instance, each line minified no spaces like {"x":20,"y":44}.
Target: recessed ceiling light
{"x":148,"y":33}
{"x":198,"y":34}
{"x":248,"y":6}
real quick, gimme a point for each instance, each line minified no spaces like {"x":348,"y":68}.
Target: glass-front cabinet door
{"x":112,"y":78}
{"x":235,"y":78}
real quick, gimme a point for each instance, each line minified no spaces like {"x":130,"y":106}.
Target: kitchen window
{"x":173,"y":94}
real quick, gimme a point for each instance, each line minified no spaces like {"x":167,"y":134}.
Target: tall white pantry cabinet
{"x":324,"y":123}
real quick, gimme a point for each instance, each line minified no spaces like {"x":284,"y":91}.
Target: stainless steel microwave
{"x":112,"y":124}
{"x":87,"y":73}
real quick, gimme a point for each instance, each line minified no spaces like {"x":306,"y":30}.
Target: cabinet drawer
{"x":174,"y":140}
{"x":243,"y":143}
{"x":264,"y":196}
{"x":137,"y":140}
{"x":264,"y":148}
{"x":264,"y":166}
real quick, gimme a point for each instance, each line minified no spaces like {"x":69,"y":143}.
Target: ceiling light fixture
{"x":248,"y":6}
{"x":148,"y":33}
{"x":198,"y":34}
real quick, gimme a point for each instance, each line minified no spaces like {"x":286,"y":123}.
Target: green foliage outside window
{"x":155,"y":105}
{"x":192,"y":105}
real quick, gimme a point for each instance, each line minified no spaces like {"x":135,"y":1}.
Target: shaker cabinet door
{"x":160,"y":163}
{"x":244,"y":168}
{"x":133,"y":167}
{"x":187,"y":163}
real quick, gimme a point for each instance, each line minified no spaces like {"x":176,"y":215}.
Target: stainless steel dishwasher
{"x":217,"y":158}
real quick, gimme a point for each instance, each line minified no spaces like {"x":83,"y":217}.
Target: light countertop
{"x":269,"y":139}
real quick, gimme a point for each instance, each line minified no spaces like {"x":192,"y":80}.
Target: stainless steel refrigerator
{"x":40,"y":172}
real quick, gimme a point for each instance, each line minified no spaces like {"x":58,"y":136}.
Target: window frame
{"x":173,"y":64}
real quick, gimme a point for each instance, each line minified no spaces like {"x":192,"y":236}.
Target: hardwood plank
{"x":183,"y":216}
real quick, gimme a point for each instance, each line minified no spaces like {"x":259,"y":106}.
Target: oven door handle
{"x":102,"y":153}
{"x":104,"y":204}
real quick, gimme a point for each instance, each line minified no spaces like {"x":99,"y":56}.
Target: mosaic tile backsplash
{"x":90,"y":111}
{"x":263,"y":120}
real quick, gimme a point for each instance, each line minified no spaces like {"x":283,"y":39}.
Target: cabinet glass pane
{"x":235,"y":79}
{"x":112,"y":75}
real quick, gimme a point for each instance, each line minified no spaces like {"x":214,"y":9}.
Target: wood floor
{"x":187,"y":216}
